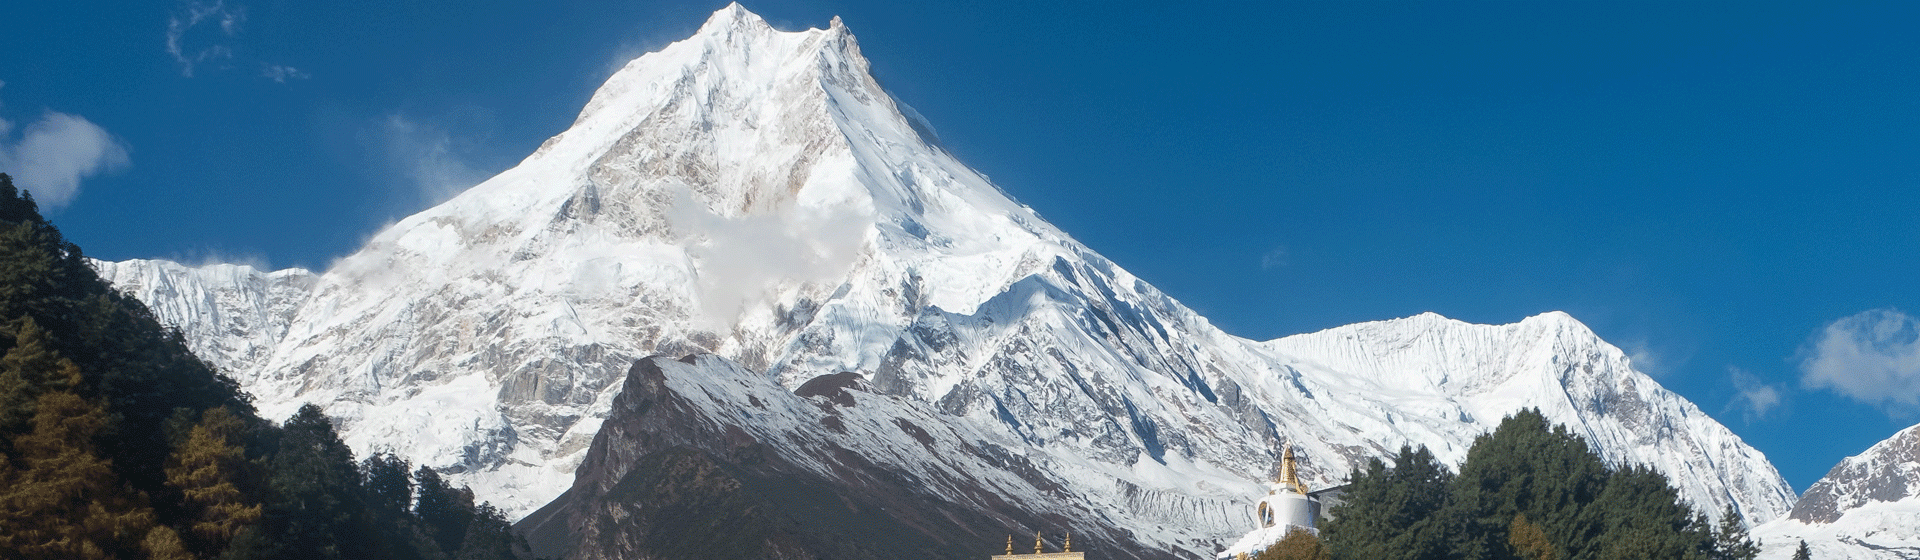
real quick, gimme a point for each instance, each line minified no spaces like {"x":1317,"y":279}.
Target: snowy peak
{"x":754,"y":195}
{"x":1433,"y":368}
{"x":1867,"y":507}
{"x":1887,"y":472}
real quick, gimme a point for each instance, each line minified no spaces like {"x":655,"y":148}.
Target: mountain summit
{"x":753,"y":200}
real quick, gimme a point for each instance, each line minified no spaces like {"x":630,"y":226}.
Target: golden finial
{"x":1069,"y":546}
{"x":1290,"y":471}
{"x":1009,"y":544}
{"x":1036,"y":542}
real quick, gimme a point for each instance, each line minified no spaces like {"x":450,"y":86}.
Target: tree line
{"x":117,"y":442}
{"x":1529,"y":490}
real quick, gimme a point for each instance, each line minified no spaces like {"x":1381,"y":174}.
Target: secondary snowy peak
{"x":1887,"y":472}
{"x":1441,"y":370}
{"x":1867,"y":507}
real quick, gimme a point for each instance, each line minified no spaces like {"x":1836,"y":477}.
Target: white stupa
{"x":1286,"y":508}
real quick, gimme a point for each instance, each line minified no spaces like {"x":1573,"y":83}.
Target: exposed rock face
{"x":1887,"y":472}
{"x":1867,"y":507}
{"x":701,"y":458}
{"x":754,"y":195}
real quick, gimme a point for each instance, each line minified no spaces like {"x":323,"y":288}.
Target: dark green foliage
{"x":135,"y":419}
{"x":489,"y":537}
{"x":1528,"y":490}
{"x":1392,"y":513}
{"x":444,"y":511}
{"x":1730,"y":540}
{"x":141,"y":370}
{"x":1802,"y":553}
{"x":316,"y":510}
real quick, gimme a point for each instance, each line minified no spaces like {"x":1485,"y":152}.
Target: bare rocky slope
{"x":753,"y":195}
{"x":1867,"y":507}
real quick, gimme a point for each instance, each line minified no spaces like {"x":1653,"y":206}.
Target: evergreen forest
{"x":1529,"y":490}
{"x":117,"y":442}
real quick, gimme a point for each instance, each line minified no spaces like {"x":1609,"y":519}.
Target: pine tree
{"x":30,"y":368}
{"x":444,"y":511}
{"x":208,"y":469}
{"x":1802,"y":553}
{"x":1527,"y":466}
{"x":1393,"y":513}
{"x":490,"y":537}
{"x":317,"y":510}
{"x":1730,"y":540}
{"x":62,"y":499}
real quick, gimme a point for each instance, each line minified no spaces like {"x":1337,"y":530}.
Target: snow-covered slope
{"x":754,"y":194}
{"x":1867,"y":507}
{"x":232,"y":315}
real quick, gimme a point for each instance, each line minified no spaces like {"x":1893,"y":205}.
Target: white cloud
{"x":428,"y":156}
{"x":280,"y":74}
{"x":744,"y":262}
{"x":1872,"y":357}
{"x":1645,"y":359}
{"x":192,"y":48}
{"x":1754,"y":398}
{"x":54,"y":153}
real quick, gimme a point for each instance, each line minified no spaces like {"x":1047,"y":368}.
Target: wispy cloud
{"x":1645,"y":359}
{"x":1274,"y":258}
{"x":428,"y":156}
{"x":1872,"y":357}
{"x":280,"y":74}
{"x":201,"y":33}
{"x":52,"y":155}
{"x":210,"y":43}
{"x":1753,"y":398}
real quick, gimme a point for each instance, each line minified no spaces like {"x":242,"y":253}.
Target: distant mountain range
{"x":832,"y":301}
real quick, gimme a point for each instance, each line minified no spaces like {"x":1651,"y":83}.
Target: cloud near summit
{"x":1872,"y":357}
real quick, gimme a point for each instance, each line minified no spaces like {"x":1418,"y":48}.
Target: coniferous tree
{"x":61,"y":499}
{"x":317,"y":511}
{"x":1527,"y":466}
{"x":1393,"y":513}
{"x":1802,"y":553}
{"x":445,"y":511}
{"x":209,"y":469}
{"x":1730,"y":541}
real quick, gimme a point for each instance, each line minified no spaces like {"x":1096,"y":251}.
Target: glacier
{"x":755,"y":195}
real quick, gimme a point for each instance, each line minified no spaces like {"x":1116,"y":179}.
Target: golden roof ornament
{"x":1036,"y":542}
{"x":1009,"y":545}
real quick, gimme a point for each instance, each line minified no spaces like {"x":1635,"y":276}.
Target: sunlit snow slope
{"x":1867,"y":507}
{"x":754,"y":194}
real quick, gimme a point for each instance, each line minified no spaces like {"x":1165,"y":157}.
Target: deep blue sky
{"x":1708,"y":185}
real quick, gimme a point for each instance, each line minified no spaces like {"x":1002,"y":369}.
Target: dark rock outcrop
{"x":699,"y":458}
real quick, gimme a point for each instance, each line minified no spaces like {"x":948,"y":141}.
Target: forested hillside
{"x":117,"y":442}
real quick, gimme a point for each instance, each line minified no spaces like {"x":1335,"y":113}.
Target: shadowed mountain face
{"x":686,"y":466}
{"x":753,"y":196}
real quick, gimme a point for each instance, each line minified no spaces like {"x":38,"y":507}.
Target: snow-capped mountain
{"x":755,"y":195}
{"x":1867,"y":507}
{"x":232,"y":315}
